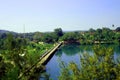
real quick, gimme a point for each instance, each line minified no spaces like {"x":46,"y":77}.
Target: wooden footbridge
{"x":43,"y":60}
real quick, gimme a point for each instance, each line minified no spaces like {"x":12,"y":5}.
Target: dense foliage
{"x":17,"y":55}
{"x":104,"y":35}
{"x":100,"y":66}
{"x":19,"y":51}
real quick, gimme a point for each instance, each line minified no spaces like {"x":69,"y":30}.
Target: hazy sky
{"x":46,"y":15}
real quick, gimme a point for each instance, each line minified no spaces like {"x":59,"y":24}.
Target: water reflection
{"x":73,"y":49}
{"x":71,"y":52}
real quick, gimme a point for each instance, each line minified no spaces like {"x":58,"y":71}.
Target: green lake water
{"x":72,"y":52}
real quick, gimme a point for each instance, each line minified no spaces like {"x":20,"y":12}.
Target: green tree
{"x":98,"y":34}
{"x":100,"y":66}
{"x":69,"y":36}
{"x":37,"y":36}
{"x":107,"y":34}
{"x":48,"y":38}
{"x":91,"y":30}
{"x":58,"y":32}
{"x":9,"y":42}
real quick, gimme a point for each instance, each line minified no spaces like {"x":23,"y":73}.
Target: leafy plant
{"x":100,"y":66}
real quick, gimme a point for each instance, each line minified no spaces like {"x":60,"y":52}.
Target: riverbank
{"x":81,"y":42}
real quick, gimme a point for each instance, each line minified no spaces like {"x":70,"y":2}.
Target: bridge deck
{"x":43,"y":60}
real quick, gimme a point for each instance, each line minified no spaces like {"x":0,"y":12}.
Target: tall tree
{"x":91,"y":30}
{"x":58,"y":32}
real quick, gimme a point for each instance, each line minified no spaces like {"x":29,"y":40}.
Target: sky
{"x":70,"y":15}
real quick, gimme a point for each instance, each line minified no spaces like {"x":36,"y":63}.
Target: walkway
{"x":43,"y":60}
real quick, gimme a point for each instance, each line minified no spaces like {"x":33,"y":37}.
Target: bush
{"x":100,"y":66}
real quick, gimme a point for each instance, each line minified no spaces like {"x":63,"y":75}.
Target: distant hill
{"x":6,"y":31}
{"x":3,"y":33}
